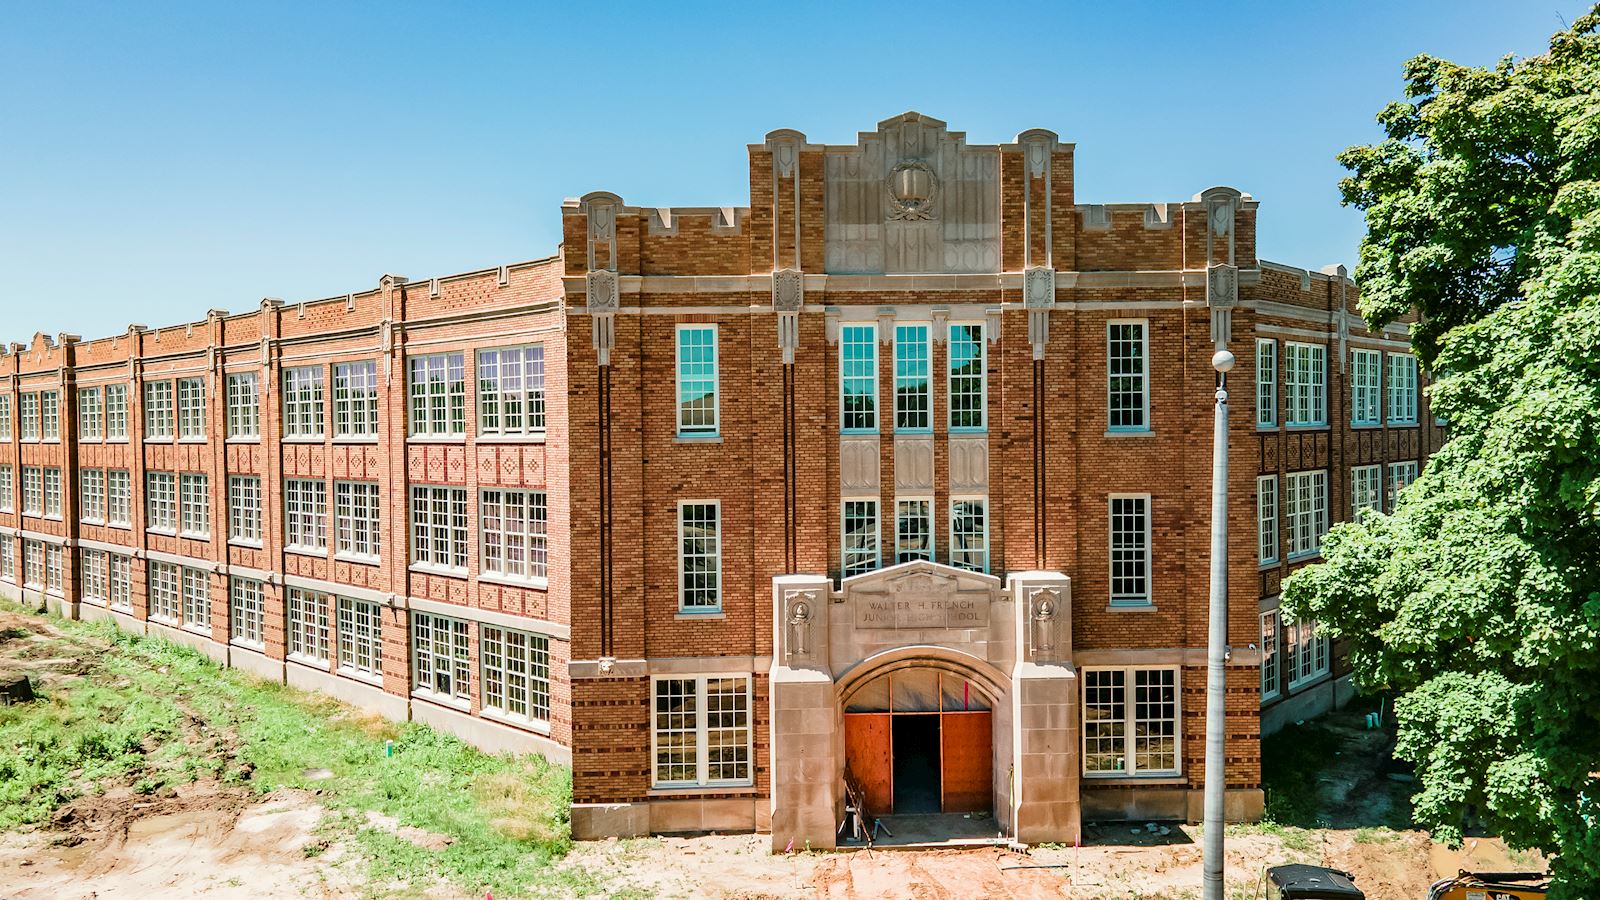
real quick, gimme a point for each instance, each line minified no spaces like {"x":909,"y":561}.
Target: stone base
{"x":594,"y":821}
{"x":350,"y":690}
{"x":58,"y":606}
{"x":1166,"y":803}
{"x":486,"y":734}
{"x":1238,"y":805}
{"x":217,"y":652}
{"x":257,"y":663}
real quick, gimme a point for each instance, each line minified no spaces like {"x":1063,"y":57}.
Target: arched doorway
{"x":919,"y":739}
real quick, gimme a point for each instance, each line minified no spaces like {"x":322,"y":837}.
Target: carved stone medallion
{"x":601,"y":288}
{"x":912,"y":187}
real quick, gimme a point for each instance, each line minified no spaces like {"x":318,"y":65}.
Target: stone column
{"x":806,"y":738}
{"x":1044,"y":711}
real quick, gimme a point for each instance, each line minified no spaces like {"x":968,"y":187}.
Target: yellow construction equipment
{"x":1303,"y":882}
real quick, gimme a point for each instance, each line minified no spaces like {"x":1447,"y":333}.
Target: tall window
{"x":697,"y":379}
{"x":438,"y":391}
{"x":194,"y":495}
{"x":121,"y":582}
{"x":1266,"y":382}
{"x":8,"y":560}
{"x":119,"y":497}
{"x":1402,"y":389}
{"x":196,"y":598}
{"x":91,"y":422}
{"x":30,"y":417}
{"x":858,"y":377}
{"x":511,"y":390}
{"x":860,"y":536}
{"x":1401,"y":474}
{"x":305,"y":514}
{"x":969,"y":534}
{"x":439,"y":527}
{"x":1130,"y":549}
{"x":245,"y":608}
{"x":1305,"y":653}
{"x":355,"y":399}
{"x":913,"y":403}
{"x":913,"y":530}
{"x":701,"y":732}
{"x":244,"y":405}
{"x":192,"y":408}
{"x":1130,"y":722}
{"x":161,"y":501}
{"x":1269,"y":654}
{"x":244,"y":508}
{"x":92,"y":495}
{"x":33,"y":564}
{"x":302,"y":402}
{"x":7,"y":489}
{"x":1305,"y":381}
{"x":1305,"y":506}
{"x":52,"y":492}
{"x":440,"y":661}
{"x":308,"y":625}
{"x":1267,"y":519}
{"x":1364,"y":376}
{"x":1127,"y":362}
{"x":1366,"y":491}
{"x":54,"y":568}
{"x":50,"y":414}
{"x":360,"y":637}
{"x":967,"y":378}
{"x":515,"y":529}
{"x":92,"y":569}
{"x":32,"y":491}
{"x":117,"y":411}
{"x":158,"y":414}
{"x":166,"y":604}
{"x":5,"y":417}
{"x":700,"y":556}
{"x":355,"y":513}
{"x":516,"y":673}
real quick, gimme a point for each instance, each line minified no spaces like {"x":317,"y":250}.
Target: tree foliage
{"x":1478,"y":599}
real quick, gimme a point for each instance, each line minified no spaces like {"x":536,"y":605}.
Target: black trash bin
{"x":1301,"y":882}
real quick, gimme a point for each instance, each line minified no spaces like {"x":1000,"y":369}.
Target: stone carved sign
{"x":922,"y":601}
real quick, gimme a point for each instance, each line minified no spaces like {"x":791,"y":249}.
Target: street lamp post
{"x":1217,"y":644}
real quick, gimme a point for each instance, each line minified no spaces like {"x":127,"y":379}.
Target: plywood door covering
{"x":966,"y":749}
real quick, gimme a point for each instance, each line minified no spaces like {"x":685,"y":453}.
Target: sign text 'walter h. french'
{"x":911,"y":611}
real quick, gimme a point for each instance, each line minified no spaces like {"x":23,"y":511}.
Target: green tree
{"x":1478,"y":599}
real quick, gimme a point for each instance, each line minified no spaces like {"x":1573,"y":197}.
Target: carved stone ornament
{"x":1039,"y":288}
{"x":912,"y":187}
{"x":601,"y":287}
{"x":602,"y":221}
{"x":1222,"y":218}
{"x":788,"y":290}
{"x":1222,"y":286}
{"x":1044,"y":605}
{"x":798,"y":619}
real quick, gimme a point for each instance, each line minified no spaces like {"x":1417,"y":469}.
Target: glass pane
{"x":916,"y":690}
{"x":872,"y":697}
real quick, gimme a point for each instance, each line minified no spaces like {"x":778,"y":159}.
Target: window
{"x":1402,"y":389}
{"x":516,"y":673}
{"x":913,"y":530}
{"x":165,"y":603}
{"x":121,"y":582}
{"x":33,"y":564}
{"x":1366,"y":491}
{"x":117,"y":411}
{"x":858,"y":378}
{"x":860,"y":536}
{"x":439,"y":656}
{"x":1119,"y":744}
{"x":1130,"y":549}
{"x":1305,"y":372}
{"x":1364,"y":375}
{"x":7,"y":490}
{"x":30,"y":417}
{"x":52,"y":493}
{"x":8,"y":559}
{"x":90,"y":422}
{"x":194,"y":513}
{"x":244,"y":508}
{"x":1305,"y":508}
{"x":32,"y":491}
{"x":438,"y":390}
{"x":54,"y":570}
{"x":700,"y":556}
{"x":245,"y":611}
{"x":514,"y":531}
{"x":439,"y":527}
{"x":192,"y":408}
{"x":355,"y":514}
{"x":360,"y":638}
{"x":302,"y":402}
{"x":1305,"y":654}
{"x":50,"y":414}
{"x":158,"y":409}
{"x":196,"y":598}
{"x":967,"y":378}
{"x":1269,"y":654}
{"x":1401,"y":474}
{"x":119,"y":497}
{"x":244,"y":405}
{"x":913,"y":402}
{"x":308,"y":625}
{"x":1127,"y":401}
{"x":305,"y":514}
{"x":1267,"y":519}
{"x":5,"y":420}
{"x":511,"y":391}
{"x":355,"y":399}
{"x":1266,"y":382}
{"x":160,"y":501}
{"x":969,"y":534}
{"x":701,"y":734}
{"x":697,"y":379}
{"x":92,"y":495}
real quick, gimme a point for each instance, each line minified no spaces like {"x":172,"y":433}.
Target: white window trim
{"x":970,"y":498}
{"x":429,"y":501}
{"x":698,"y":431}
{"x":1321,"y":527}
{"x":1359,"y":509}
{"x":1128,"y":706}
{"x":983,"y":381}
{"x":1408,"y":390}
{"x":529,"y":535}
{"x":844,"y":536}
{"x":933,"y":537}
{"x":1149,"y":600}
{"x":1270,"y":384}
{"x":1144,"y":377}
{"x":702,"y":760}
{"x":242,"y":397}
{"x":426,"y":432}
{"x":1320,"y":401}
{"x":538,"y":723}
{"x":1318,"y":672}
{"x":1263,"y":512}
{"x":683,"y":608}
{"x":373,"y":524}
{"x":527,"y":430}
{"x":894,"y":375}
{"x":1276,"y":655}
{"x":1375,"y":391}
{"x":877,"y":400}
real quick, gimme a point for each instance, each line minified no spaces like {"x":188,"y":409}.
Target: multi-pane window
{"x":121,"y":582}
{"x":1127,"y":362}
{"x":913,"y":400}
{"x":1305,"y":374}
{"x":119,"y":497}
{"x":1130,"y":549}
{"x":245,"y":612}
{"x":92,"y":495}
{"x":7,"y":489}
{"x":438,"y":390}
{"x":50,"y":414}
{"x":1269,"y":654}
{"x":305,"y":514}
{"x":244,"y":405}
{"x":514,"y":533}
{"x":1365,"y":368}
{"x":8,"y":559}
{"x":511,"y":390}
{"x":913,"y":530}
{"x":5,"y":418}
{"x":158,"y":412}
{"x":55,"y":572}
{"x":1130,"y":722}
{"x":1266,"y":382}
{"x":1305,"y":511}
{"x":355,"y":514}
{"x":355,"y":399}
{"x":90,"y":419}
{"x":516,"y":672}
{"x":858,"y":378}
{"x":1305,"y":653}
{"x":308,"y":625}
{"x":30,"y":417}
{"x":166,"y":603}
{"x":52,"y":492}
{"x":244,"y":508}
{"x":192,"y":408}
{"x":360,"y":637}
{"x":194,"y":505}
{"x":196,"y":598}
{"x":117,"y":411}
{"x":1267,"y":519}
{"x":302,"y":402}
{"x":969,"y":534}
{"x":700,"y":556}
{"x":92,"y":572}
{"x":697,"y":379}
{"x":33,"y":564}
{"x":1401,"y":474}
{"x":32,"y":491}
{"x":1402,"y":389}
{"x":701,"y":733}
{"x":968,"y":389}
{"x":439,"y":527}
{"x":439,"y":656}
{"x":860,"y":536}
{"x":1366,"y":491}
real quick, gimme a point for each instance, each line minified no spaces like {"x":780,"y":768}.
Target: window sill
{"x":125,"y":526}
{"x":88,"y":521}
{"x":320,"y":665}
{"x":1365,"y":426}
{"x":1130,"y":607}
{"x":314,"y":552}
{"x":515,"y":721}
{"x":425,"y":569}
{"x":87,"y":439}
{"x":194,"y":536}
{"x":244,"y":439}
{"x":691,"y":790}
{"x":1302,"y":557}
{"x":1266,"y":564}
{"x":859,"y":432}
{"x":1158,"y":778}
{"x":164,"y":532}
{"x":355,"y":439}
{"x":436,"y":439}
{"x":1306,"y":426}
{"x":192,"y":440}
{"x":375,"y":679}
{"x":303,"y":439}
{"x":163,"y":620}
{"x":242,"y":542}
{"x":121,"y":608}
{"x":158,"y":440}
{"x":1313,"y":681}
{"x":202,"y":631}
{"x":531,"y":438}
{"x":1129,"y":433}
{"x":969,"y":431}
{"x":116,"y":440}
{"x":1402,"y":424}
{"x":697,"y":439}
{"x":255,"y":646}
{"x":358,"y":560}
{"x":713,"y":615}
{"x":456,"y":703}
{"x":541,"y":584}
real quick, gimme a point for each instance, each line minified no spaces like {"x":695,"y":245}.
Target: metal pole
{"x":1217,"y":645}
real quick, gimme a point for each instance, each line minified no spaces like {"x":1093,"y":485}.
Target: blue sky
{"x":157,"y":160}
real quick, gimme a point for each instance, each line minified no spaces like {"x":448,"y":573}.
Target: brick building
{"x":901,"y":471}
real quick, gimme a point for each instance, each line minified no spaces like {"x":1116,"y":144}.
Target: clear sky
{"x":157,"y":160}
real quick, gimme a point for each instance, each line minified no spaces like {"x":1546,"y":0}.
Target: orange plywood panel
{"x":967,"y":752}
{"x":869,"y":757}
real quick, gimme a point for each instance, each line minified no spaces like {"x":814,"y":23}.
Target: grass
{"x":152,"y":715}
